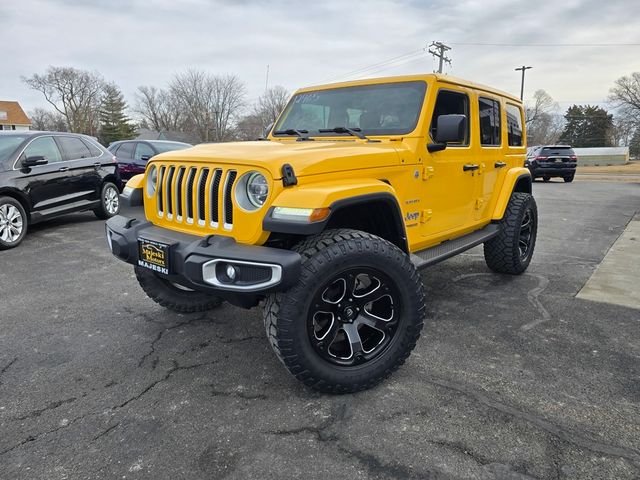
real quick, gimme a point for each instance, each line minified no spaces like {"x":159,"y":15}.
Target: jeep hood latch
{"x":288,"y":176}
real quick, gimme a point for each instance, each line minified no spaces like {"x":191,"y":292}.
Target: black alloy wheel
{"x":354,"y":316}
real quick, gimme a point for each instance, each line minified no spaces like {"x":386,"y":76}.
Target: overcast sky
{"x":145,"y":42}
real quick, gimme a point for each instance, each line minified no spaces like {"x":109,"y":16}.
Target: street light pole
{"x":523,"y":68}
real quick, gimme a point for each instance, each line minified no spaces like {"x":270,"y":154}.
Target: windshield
{"x":384,"y":109}
{"x":169,"y":147}
{"x":9,"y":144}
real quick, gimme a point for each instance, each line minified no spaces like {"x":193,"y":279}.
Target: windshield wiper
{"x":302,"y":134}
{"x":356,"y":132}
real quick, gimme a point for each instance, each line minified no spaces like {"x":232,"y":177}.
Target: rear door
{"x":83,"y":179}
{"x":491,"y":154}
{"x":142,"y":154}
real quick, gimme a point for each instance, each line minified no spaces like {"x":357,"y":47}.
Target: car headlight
{"x":252,"y":191}
{"x":152,"y":180}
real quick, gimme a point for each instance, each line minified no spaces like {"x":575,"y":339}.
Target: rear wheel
{"x":354,"y":316}
{"x":569,"y":179}
{"x":512,"y":249}
{"x":13,"y":223}
{"x":109,"y":201}
{"x":174,"y":296}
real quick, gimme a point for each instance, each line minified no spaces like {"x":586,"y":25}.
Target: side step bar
{"x":449,"y":248}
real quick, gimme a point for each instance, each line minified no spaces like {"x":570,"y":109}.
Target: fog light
{"x":231,"y":272}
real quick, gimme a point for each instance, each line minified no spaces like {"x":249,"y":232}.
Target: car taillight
{"x":541,"y":157}
{"x":573,"y":157}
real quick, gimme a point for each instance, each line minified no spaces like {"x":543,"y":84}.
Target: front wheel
{"x":354,"y":316}
{"x":13,"y":223}
{"x":109,"y":201}
{"x":174,"y":296}
{"x":512,"y":249}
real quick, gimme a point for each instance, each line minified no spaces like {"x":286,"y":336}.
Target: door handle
{"x":469,"y":167}
{"x":499,"y":164}
{"x":63,"y":169}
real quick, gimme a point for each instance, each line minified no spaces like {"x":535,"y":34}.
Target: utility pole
{"x":438,"y":49}
{"x":523,"y":68}
{"x":266,"y":81}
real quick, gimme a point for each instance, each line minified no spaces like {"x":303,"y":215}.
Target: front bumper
{"x":201,"y":263}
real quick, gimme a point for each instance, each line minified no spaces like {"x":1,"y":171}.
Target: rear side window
{"x":514,"y":125}
{"x":489,"y":122}
{"x":450,"y":103}
{"x":43,"y":147}
{"x":125,"y":150}
{"x":73,"y":148}
{"x":95,"y":151}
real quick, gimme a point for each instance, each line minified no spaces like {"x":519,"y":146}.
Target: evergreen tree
{"x":634,"y":145}
{"x":587,"y":126}
{"x":114,"y":123}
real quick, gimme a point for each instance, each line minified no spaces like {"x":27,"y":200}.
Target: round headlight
{"x":152,"y":180}
{"x":257,"y":189}
{"x":252,"y":191}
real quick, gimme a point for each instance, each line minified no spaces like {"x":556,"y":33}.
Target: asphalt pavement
{"x":513,"y":378}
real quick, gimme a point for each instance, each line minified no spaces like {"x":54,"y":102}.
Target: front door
{"x":451,"y":187}
{"x":44,"y":183}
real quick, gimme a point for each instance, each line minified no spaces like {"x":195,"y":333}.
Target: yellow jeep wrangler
{"x":330,"y":216}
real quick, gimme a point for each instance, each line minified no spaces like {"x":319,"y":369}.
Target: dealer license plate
{"x":153,"y":255}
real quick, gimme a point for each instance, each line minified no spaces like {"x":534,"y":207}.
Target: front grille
{"x":195,"y":195}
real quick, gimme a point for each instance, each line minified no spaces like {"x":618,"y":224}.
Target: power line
{"x":482,"y":44}
{"x":362,"y":70}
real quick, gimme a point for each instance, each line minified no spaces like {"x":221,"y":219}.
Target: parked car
{"x":548,"y":161}
{"x":46,"y":174}
{"x":133,"y":155}
{"x":327,"y":221}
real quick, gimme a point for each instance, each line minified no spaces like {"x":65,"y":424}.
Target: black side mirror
{"x":34,"y":161}
{"x":450,"y":129}
{"x":145,"y":158}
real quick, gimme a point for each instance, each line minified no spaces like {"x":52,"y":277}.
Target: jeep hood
{"x":306,"y":158}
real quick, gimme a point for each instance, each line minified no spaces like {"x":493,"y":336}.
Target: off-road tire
{"x":286,"y":313}
{"x":569,"y":179}
{"x":102,"y":211}
{"x":173,"y":297}
{"x":502,"y":253}
{"x":12,"y":202}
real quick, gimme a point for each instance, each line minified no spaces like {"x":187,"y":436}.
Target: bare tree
{"x":626,"y":93}
{"x":249,"y":127}
{"x":158,"y":108}
{"x":624,"y":126}
{"x":544,"y":124}
{"x":271,"y":104}
{"x":42,"y":119}
{"x":73,"y":93}
{"x":210,"y":103}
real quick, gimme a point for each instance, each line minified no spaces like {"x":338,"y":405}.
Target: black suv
{"x":548,"y":161}
{"x":46,"y":174}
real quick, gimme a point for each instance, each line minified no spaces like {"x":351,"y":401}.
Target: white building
{"x":601,"y":156}
{"x":12,"y":117}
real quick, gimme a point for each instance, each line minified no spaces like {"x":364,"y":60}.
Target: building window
{"x":3,"y":115}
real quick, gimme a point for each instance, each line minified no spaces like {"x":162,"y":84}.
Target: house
{"x":12,"y":117}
